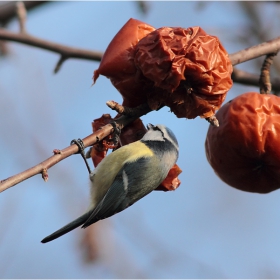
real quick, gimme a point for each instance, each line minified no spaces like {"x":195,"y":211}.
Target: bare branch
{"x":65,"y":51}
{"x":245,"y":78}
{"x":59,"y":155}
{"x":59,"y":63}
{"x":272,"y":46}
{"x":21,"y":14}
{"x":265,"y":85}
{"x":8,"y":10}
{"x":126,"y":111}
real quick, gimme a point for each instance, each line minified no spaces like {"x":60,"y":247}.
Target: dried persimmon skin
{"x":119,"y":55}
{"x":244,"y":150}
{"x":185,"y":69}
{"x":171,"y":182}
{"x":117,"y":63}
{"x":100,"y":149}
{"x":190,"y":70}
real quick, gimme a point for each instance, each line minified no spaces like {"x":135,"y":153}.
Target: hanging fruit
{"x":244,"y":150}
{"x":182,"y":68}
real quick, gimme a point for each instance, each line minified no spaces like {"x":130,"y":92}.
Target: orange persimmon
{"x":244,"y":150}
{"x":185,"y":69}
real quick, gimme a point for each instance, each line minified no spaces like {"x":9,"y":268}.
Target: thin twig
{"x":59,"y":63}
{"x":126,"y":111}
{"x":21,"y":14}
{"x":272,"y":46}
{"x":62,"y":154}
{"x":57,"y":157}
{"x":8,"y":10}
{"x":245,"y":78}
{"x":265,"y":85}
{"x":65,"y":51}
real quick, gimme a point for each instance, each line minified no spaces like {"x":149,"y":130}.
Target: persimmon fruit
{"x":185,"y":69}
{"x":244,"y":150}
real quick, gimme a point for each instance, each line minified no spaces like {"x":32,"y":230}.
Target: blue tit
{"x":126,"y":175}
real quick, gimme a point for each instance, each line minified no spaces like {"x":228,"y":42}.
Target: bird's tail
{"x":78,"y":222}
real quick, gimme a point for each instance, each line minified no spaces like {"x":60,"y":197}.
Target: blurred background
{"x":204,"y":229}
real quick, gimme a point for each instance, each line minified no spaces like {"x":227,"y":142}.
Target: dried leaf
{"x":171,"y":182}
{"x":99,"y":150}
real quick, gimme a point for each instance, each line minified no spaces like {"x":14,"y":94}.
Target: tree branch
{"x":245,"y":78}
{"x":65,"y":51}
{"x":272,"y":46}
{"x":8,"y":10}
{"x":21,"y":14}
{"x":62,"y":154}
{"x":265,"y":84}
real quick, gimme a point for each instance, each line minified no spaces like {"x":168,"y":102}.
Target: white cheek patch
{"x":125,"y":180}
{"x":154,"y":135}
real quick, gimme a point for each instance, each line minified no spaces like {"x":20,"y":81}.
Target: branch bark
{"x":245,"y":78}
{"x":265,"y":84}
{"x":271,"y":46}
{"x":8,"y":10}
{"x":64,"y":51}
{"x":62,"y":154}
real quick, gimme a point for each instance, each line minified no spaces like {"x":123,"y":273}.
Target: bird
{"x":126,"y":175}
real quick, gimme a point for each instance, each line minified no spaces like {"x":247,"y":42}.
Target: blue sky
{"x":205,"y":229}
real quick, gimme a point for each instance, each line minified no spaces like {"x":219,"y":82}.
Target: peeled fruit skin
{"x":117,"y":63}
{"x":244,"y":150}
{"x":190,"y":70}
{"x":185,"y":69}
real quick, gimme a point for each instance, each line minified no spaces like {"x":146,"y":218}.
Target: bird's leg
{"x":81,"y":151}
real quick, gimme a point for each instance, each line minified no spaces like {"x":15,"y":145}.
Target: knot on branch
{"x":45,"y":175}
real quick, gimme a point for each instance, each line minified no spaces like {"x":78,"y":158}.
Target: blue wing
{"x":129,"y":186}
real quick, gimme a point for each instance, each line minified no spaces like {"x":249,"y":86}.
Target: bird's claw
{"x":79,"y":142}
{"x":116,"y":133}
